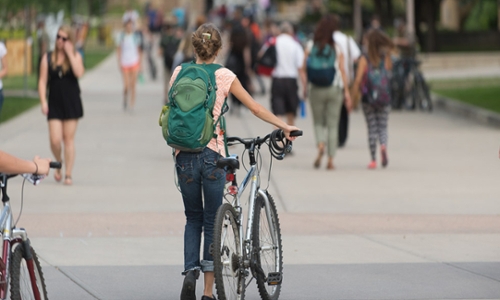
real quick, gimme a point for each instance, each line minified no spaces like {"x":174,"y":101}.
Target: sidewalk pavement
{"x":427,"y":227}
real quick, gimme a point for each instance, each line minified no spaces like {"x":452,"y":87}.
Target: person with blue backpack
{"x":373,"y":80}
{"x":324,"y":62}
{"x":192,"y":124}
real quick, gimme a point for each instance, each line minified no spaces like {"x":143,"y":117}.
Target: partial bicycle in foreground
{"x":20,"y":268}
{"x":243,"y":252}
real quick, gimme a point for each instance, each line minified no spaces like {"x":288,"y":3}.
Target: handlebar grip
{"x":296,"y":133}
{"x":55,"y":165}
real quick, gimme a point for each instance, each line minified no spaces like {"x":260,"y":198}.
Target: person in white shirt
{"x":129,"y":58}
{"x":284,"y":88}
{"x":351,"y":53}
{"x":3,"y":70}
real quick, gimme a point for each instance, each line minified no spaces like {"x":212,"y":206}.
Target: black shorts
{"x":284,"y":97}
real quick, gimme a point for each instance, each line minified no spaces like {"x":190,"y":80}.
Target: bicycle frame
{"x":11,"y":236}
{"x":253,"y":179}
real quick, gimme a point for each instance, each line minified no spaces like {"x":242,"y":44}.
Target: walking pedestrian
{"x":202,"y":183}
{"x":3,"y":71}
{"x":129,"y":60}
{"x":284,"y":87}
{"x":351,"y":53}
{"x":239,"y":60}
{"x":169,"y":44}
{"x":59,"y":72}
{"x":372,"y":77}
{"x":328,"y":88}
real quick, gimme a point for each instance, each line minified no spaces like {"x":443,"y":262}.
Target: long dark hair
{"x":323,"y":34}
{"x":378,"y":44}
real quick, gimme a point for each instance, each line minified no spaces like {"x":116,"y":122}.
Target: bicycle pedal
{"x":274,"y":278}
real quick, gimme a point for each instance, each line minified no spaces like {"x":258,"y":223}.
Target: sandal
{"x":68,"y":180}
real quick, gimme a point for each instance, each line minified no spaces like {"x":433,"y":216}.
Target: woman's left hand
{"x":348,"y":101}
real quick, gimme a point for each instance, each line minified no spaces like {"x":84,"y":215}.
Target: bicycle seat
{"x":231,"y":162}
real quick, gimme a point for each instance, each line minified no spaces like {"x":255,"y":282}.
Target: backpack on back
{"x":268,"y":61}
{"x":321,"y":66}
{"x":377,"y":84}
{"x":187,"y":120}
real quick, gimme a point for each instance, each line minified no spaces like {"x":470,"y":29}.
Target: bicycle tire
{"x":268,"y":257}
{"x":425,"y":100}
{"x":20,"y":283}
{"x":229,"y":279}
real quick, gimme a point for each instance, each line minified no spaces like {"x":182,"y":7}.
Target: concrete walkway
{"x":427,"y":227}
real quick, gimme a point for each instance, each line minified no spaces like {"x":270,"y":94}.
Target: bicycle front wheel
{"x":21,"y":285}
{"x":268,"y":250}
{"x":229,"y":277}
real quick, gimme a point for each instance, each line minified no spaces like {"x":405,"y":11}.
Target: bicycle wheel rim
{"x":229,"y":282}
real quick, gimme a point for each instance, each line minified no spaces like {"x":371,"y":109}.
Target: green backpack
{"x":187,"y":120}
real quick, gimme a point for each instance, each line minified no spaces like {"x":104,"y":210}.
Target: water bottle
{"x":302,"y":108}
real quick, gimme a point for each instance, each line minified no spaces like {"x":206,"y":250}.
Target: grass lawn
{"x":92,"y":58}
{"x":483,"y":93}
{"x":13,"y":106}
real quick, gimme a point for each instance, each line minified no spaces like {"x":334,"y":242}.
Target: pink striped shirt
{"x":223,"y":79}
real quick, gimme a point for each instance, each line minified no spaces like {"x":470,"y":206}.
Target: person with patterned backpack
{"x":373,"y":80}
{"x":192,"y":125}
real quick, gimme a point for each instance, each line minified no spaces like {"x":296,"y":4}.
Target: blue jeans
{"x":202,"y":187}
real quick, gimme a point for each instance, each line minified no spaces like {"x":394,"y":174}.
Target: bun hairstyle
{"x":206,"y":41}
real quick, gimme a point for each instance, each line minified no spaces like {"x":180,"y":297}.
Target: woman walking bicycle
{"x":373,"y":78}
{"x":59,"y":72}
{"x":200,"y":181}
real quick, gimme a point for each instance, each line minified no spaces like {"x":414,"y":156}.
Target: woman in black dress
{"x":59,"y":72}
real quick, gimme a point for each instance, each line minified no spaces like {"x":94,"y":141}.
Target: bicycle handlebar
{"x":33,"y":178}
{"x":277,"y":146}
{"x":278,"y":134}
{"x":55,"y":165}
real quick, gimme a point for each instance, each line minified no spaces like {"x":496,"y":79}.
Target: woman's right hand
{"x":45,"y":109}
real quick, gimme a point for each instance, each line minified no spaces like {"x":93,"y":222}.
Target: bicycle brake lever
{"x":33,"y":178}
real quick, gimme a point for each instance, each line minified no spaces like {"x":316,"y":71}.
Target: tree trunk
{"x":390,"y":12}
{"x":378,"y":9}
{"x":432,"y":7}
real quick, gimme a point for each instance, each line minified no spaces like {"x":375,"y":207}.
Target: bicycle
{"x":260,"y":251}
{"x":410,"y":89}
{"x":19,"y":264}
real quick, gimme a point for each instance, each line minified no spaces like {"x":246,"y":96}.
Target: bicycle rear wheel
{"x":268,"y":251}
{"x":21,"y":286}
{"x":422,"y":91}
{"x":229,"y":279}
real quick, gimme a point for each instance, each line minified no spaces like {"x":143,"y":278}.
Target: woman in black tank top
{"x":59,"y":72}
